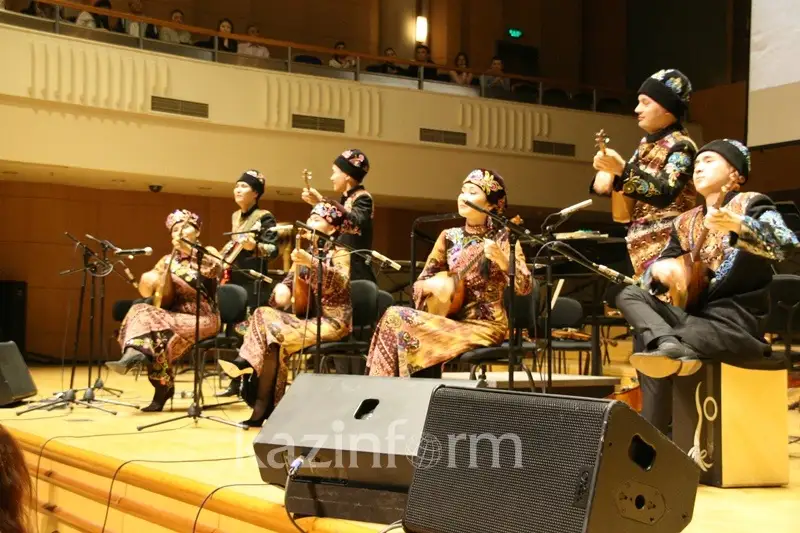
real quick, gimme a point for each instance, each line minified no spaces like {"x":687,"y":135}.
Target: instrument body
{"x":621,"y":205}
{"x":688,"y":274}
{"x":301,"y":291}
{"x":233,"y":248}
{"x":164,"y":292}
{"x":455,"y":288}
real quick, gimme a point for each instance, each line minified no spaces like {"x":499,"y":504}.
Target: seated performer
{"x":410,"y":341}
{"x":157,"y":336}
{"x":744,"y":237}
{"x":275,"y":332}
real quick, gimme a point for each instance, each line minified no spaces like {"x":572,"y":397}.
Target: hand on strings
{"x":603,"y":183}
{"x":311,"y":196}
{"x":439,"y":288}
{"x":660,"y":277}
{"x":302,"y":258}
{"x":723,"y":220}
{"x":495,"y":253}
{"x":611,"y":162}
{"x":282,"y":295}
{"x":248,"y":242}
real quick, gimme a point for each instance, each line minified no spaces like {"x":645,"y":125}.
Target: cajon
{"x":734,"y":423}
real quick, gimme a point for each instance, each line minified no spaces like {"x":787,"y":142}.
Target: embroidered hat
{"x":734,"y":153}
{"x":353,"y":163}
{"x":670,"y":88}
{"x":183,"y":215}
{"x":331,"y":211}
{"x":255,"y":180}
{"x":492,"y":185}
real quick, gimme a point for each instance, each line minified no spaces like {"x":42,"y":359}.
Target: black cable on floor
{"x":210,"y":494}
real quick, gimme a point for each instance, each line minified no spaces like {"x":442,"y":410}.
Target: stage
{"x":167,"y":477}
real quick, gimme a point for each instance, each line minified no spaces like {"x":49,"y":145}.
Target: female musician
{"x":407,"y":340}
{"x":275,"y":332}
{"x":157,"y":336}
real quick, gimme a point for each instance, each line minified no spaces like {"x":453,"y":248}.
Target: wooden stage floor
{"x":170,"y":470}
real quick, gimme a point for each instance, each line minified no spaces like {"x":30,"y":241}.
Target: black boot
{"x":236,"y":368}
{"x":232,"y":390}
{"x":130,"y":359}
{"x":265,"y":397}
{"x":162,"y":394}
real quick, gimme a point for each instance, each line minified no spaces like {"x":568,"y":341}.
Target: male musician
{"x":257,"y":249}
{"x":745,"y":236}
{"x":349,"y":171}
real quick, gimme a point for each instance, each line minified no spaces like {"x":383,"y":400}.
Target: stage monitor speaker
{"x":359,"y":436}
{"x":16,"y":382}
{"x":493,"y":460}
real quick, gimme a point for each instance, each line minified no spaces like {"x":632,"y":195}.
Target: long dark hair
{"x":15,"y":485}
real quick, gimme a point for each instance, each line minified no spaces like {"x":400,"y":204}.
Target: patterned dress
{"x":271,"y":327}
{"x":165,"y":335}
{"x":409,"y":340}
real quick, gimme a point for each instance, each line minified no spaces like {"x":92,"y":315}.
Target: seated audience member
{"x":225,"y":44}
{"x":171,"y":35}
{"x":94,"y":20}
{"x":340,"y":61}
{"x":253,"y":49}
{"x":134,"y":28}
{"x":422,"y":54}
{"x":388,"y":66}
{"x":493,"y":78}
{"x":461,"y":78}
{"x":15,"y":486}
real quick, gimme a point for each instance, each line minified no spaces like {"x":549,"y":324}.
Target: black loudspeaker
{"x":493,"y":460}
{"x":359,"y":437}
{"x":16,"y":382}
{"x":13,"y":302}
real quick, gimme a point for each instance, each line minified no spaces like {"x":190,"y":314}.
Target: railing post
{"x":541,"y":92}
{"x":421,"y":76}
{"x":57,"y":21}
{"x":289,"y":60}
{"x":358,"y":66}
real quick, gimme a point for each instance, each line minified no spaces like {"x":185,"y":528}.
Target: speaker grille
{"x":484,"y":478}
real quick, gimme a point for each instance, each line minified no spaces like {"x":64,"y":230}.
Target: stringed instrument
{"x":160,"y":285}
{"x":233,"y":247}
{"x":689,"y":275}
{"x":456,"y":289}
{"x":301,"y":291}
{"x":621,"y":205}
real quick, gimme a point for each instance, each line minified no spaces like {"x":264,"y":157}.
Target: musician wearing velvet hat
{"x":250,"y":250}
{"x":746,"y":235}
{"x":349,"y":170}
{"x":417,"y":342}
{"x":277,"y":331}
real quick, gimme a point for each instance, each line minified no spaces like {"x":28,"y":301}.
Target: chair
{"x":232,"y":304}
{"x":525,"y":315}
{"x":567,"y":314}
{"x":784,"y":318}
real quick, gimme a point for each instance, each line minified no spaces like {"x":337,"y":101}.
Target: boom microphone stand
{"x":69,"y":397}
{"x":195,"y":410}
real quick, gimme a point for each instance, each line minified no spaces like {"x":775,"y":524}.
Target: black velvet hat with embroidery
{"x":734,"y":152}
{"x":671,"y":89}
{"x":354,"y":163}
{"x":255,"y":180}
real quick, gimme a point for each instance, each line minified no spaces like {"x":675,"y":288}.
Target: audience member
{"x":94,"y":20}
{"x":137,"y":29}
{"x":171,"y":35}
{"x":340,"y":61}
{"x":225,"y":44}
{"x":461,"y":78}
{"x":15,"y":485}
{"x":253,"y":49}
{"x":493,"y":78}
{"x":422,"y":54}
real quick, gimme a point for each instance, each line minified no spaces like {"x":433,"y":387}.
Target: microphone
{"x":134,"y":251}
{"x":259,"y":275}
{"x":281,"y":227}
{"x":618,"y":276}
{"x":381,"y":257}
{"x":577,"y":207}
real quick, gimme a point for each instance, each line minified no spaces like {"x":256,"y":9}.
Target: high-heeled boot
{"x":131,"y":358}
{"x":236,"y":368}
{"x":162,"y":394}
{"x":263,"y":405}
{"x":233,"y":389}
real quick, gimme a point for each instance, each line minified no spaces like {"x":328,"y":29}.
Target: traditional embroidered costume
{"x":408,"y":340}
{"x":164,"y":335}
{"x":726,"y":325}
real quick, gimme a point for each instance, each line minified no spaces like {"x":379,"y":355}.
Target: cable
{"x":393,"y":526}
{"x":285,"y":501}
{"x":210,"y":494}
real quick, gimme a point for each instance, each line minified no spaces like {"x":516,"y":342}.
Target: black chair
{"x":567,"y":313}
{"x":525,"y":316}
{"x":784,"y":316}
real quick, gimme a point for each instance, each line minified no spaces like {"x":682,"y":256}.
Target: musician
{"x":349,"y":170}
{"x":412,"y":342}
{"x":658,"y":175}
{"x":745,"y":237}
{"x":256,"y":249}
{"x":156,"y":337}
{"x":276,"y":332}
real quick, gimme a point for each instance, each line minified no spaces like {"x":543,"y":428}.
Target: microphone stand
{"x":515,"y":233}
{"x":195,"y":410}
{"x":69,"y":396}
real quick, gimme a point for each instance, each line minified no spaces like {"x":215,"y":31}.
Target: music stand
{"x":195,"y":410}
{"x":69,"y":396}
